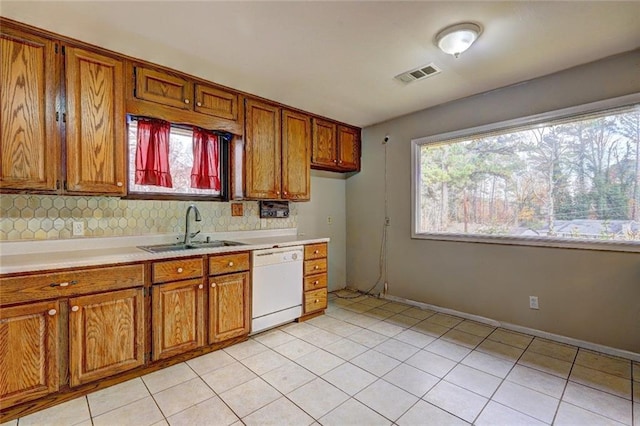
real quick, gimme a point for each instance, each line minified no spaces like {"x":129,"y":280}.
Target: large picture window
{"x":569,"y":178}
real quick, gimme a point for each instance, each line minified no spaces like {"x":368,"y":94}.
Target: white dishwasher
{"x":277,"y":287}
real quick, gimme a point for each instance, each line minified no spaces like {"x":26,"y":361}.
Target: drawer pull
{"x":213,"y":285}
{"x":199,"y":103}
{"x":316,"y":267}
{"x":316,"y":282}
{"x":52,"y":312}
{"x":75,"y":308}
{"x":180,"y":270}
{"x":63,"y":284}
{"x":230,"y":264}
{"x":316,"y":252}
{"x":316,"y":301}
{"x":200,"y":286}
{"x":186,"y":101}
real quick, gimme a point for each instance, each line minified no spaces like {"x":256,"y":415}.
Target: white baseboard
{"x":526,"y":330}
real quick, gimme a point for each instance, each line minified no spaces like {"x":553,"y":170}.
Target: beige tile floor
{"x":373,"y":362}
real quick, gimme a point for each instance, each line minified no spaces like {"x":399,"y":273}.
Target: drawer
{"x":175,"y":270}
{"x":315,"y":282}
{"x":315,"y":251}
{"x":227,"y":263}
{"x":27,"y":288}
{"x":315,"y":300}
{"x":315,"y":266}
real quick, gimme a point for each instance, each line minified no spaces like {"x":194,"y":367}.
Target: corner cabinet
{"x":277,"y":153}
{"x":29,"y":351}
{"x":95,"y":142}
{"x":335,"y":147}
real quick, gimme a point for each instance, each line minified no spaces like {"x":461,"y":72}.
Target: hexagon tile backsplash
{"x":42,"y":217}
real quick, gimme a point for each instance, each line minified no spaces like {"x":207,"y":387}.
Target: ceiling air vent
{"x":418,"y":73}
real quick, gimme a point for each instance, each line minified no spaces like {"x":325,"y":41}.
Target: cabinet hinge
{"x":64,"y":117}
{"x":56,"y":48}
{"x":63,"y":50}
{"x":64,"y":185}
{"x":58,"y":184}
{"x":134,"y":82}
{"x":57,"y":115}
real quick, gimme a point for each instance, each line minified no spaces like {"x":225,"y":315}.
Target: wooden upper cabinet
{"x":163,"y":88}
{"x":216,"y":102}
{"x":106,"y":334}
{"x":29,"y":351}
{"x":262,"y":150}
{"x":296,"y":158}
{"x":29,"y":137}
{"x":229,"y":314}
{"x":178,"y":317}
{"x":324,"y":144}
{"x":95,"y":142}
{"x":335,"y":147}
{"x":348,"y":148}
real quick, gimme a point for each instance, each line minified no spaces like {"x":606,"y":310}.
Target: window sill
{"x":581,"y":244}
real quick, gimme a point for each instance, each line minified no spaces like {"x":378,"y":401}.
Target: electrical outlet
{"x":329,"y":220}
{"x":78,"y":228}
{"x":533,"y":302}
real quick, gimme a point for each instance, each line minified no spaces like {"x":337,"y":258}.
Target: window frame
{"x":503,"y":127}
{"x":225,"y":173}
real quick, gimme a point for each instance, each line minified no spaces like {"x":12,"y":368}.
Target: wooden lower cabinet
{"x":28,"y":351}
{"x":315,"y":279}
{"x":177,"y":317}
{"x":106,"y":334}
{"x":229,"y":315}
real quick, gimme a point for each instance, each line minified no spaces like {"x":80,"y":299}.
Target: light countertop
{"x":30,"y":256}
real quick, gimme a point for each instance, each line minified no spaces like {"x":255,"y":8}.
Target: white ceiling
{"x":338,"y":59}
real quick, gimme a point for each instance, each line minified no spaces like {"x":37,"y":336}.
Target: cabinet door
{"x":178,"y":317}
{"x":28,"y":131}
{"x":28,"y":352}
{"x":95,"y":144}
{"x":324,"y":144}
{"x":162,"y":88}
{"x":216,"y":102}
{"x":262,"y":150}
{"x":348,"y":149}
{"x":106,"y":334}
{"x":296,"y":158}
{"x":229,"y":314}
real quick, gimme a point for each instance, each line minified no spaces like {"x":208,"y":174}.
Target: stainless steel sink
{"x":161,"y":248}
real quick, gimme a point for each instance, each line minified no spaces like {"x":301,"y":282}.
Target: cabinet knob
{"x":180,"y":270}
{"x":186,"y":101}
{"x":316,"y":267}
{"x":340,"y":161}
{"x":286,"y":193}
{"x":75,"y":308}
{"x":316,"y":251}
{"x":315,"y":282}
{"x":119,"y":184}
{"x":230,"y":264}
{"x":201,"y":286}
{"x":316,"y":301}
{"x":278,"y":192}
{"x":199,"y":104}
{"x":335,"y":161}
{"x":52,"y":312}
{"x":213,"y":285}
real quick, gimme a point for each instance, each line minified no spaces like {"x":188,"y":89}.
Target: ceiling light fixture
{"x":457,"y":38}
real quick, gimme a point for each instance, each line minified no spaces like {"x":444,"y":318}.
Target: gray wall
{"x":327,"y":200}
{"x":584,"y":294}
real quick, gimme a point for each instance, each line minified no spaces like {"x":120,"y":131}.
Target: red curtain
{"x":152,"y":153}
{"x":205,"y":170}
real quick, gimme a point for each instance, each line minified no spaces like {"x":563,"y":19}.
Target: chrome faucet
{"x":187,"y":227}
